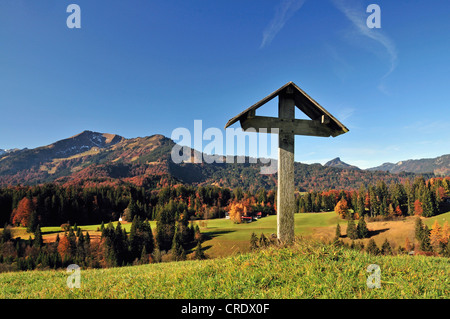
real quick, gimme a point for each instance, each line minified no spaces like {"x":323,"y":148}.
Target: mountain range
{"x":90,"y":158}
{"x":4,"y":152}
{"x":440,"y":166}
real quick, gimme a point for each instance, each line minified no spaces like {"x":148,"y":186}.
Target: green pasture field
{"x":223,"y":237}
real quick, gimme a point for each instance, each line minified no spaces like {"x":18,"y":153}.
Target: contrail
{"x":357,"y":17}
{"x":283,"y":13}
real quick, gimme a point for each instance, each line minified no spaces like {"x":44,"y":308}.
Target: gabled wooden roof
{"x":303,"y":101}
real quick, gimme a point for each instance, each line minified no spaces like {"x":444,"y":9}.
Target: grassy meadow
{"x":224,"y":238}
{"x":308,"y":269}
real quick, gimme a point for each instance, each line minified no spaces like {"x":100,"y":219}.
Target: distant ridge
{"x":440,"y":166}
{"x":336,"y":162}
{"x":4,"y":152}
{"x":92,"y":158}
{"x":14,"y":162}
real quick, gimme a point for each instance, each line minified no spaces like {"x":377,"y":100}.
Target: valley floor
{"x":224,"y":238}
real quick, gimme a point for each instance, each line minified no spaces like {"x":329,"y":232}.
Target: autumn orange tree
{"x":435,"y":235}
{"x":439,"y":236}
{"x":67,"y":245}
{"x":341,"y":208}
{"x":21,"y":215}
{"x":418,"y":209}
{"x":408,"y":245}
{"x":445,"y":233}
{"x":237,"y":210}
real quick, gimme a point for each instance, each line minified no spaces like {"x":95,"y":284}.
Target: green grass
{"x":223,"y":236}
{"x":306,"y":270}
{"x":442,"y":218}
{"x":228,"y":237}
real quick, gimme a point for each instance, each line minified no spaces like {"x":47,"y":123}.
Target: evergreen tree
{"x":373,"y":201}
{"x":386,"y":248}
{"x":428,"y":202}
{"x":253,"y":241}
{"x":131,"y":211}
{"x":144,"y":256}
{"x":410,"y":198}
{"x":308,"y":203}
{"x":81,"y":253}
{"x":141,"y":236}
{"x":445,"y":252}
{"x":134,"y":239}
{"x":199,"y":254}
{"x":33,"y":222}
{"x":6,"y":234}
{"x":372,"y":248}
{"x":360,"y":207}
{"x":425,"y":244}
{"x":149,"y":241}
{"x":263,"y":241}
{"x":157,"y":255}
{"x":361,"y":228}
{"x":120,"y":244}
{"x":38,"y":242}
{"x":338,"y":232}
{"x":418,"y":229}
{"x":191,"y":232}
{"x":351,"y":229}
{"x":177,"y":250}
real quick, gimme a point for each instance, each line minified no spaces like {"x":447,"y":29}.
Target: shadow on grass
{"x":211,"y":234}
{"x":52,"y":232}
{"x":370,"y":233}
{"x":205,"y":237}
{"x":204,"y":248}
{"x":376,"y":232}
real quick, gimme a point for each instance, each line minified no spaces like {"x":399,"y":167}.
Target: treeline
{"x":418,"y":197}
{"x":114,"y":248}
{"x":434,"y":242}
{"x":52,"y":204}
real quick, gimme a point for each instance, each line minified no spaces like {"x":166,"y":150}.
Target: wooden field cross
{"x":322,"y":123}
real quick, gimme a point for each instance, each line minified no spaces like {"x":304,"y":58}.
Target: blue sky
{"x":141,"y":67}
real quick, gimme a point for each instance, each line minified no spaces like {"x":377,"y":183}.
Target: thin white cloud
{"x":358,"y":16}
{"x":338,"y":63}
{"x":427,"y":126}
{"x":283,"y":13}
{"x":345,"y":113}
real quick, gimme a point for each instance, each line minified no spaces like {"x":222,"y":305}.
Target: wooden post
{"x":285,"y":192}
{"x":321,"y":123}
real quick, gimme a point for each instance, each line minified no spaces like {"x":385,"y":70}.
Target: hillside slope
{"x":307,"y":270}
